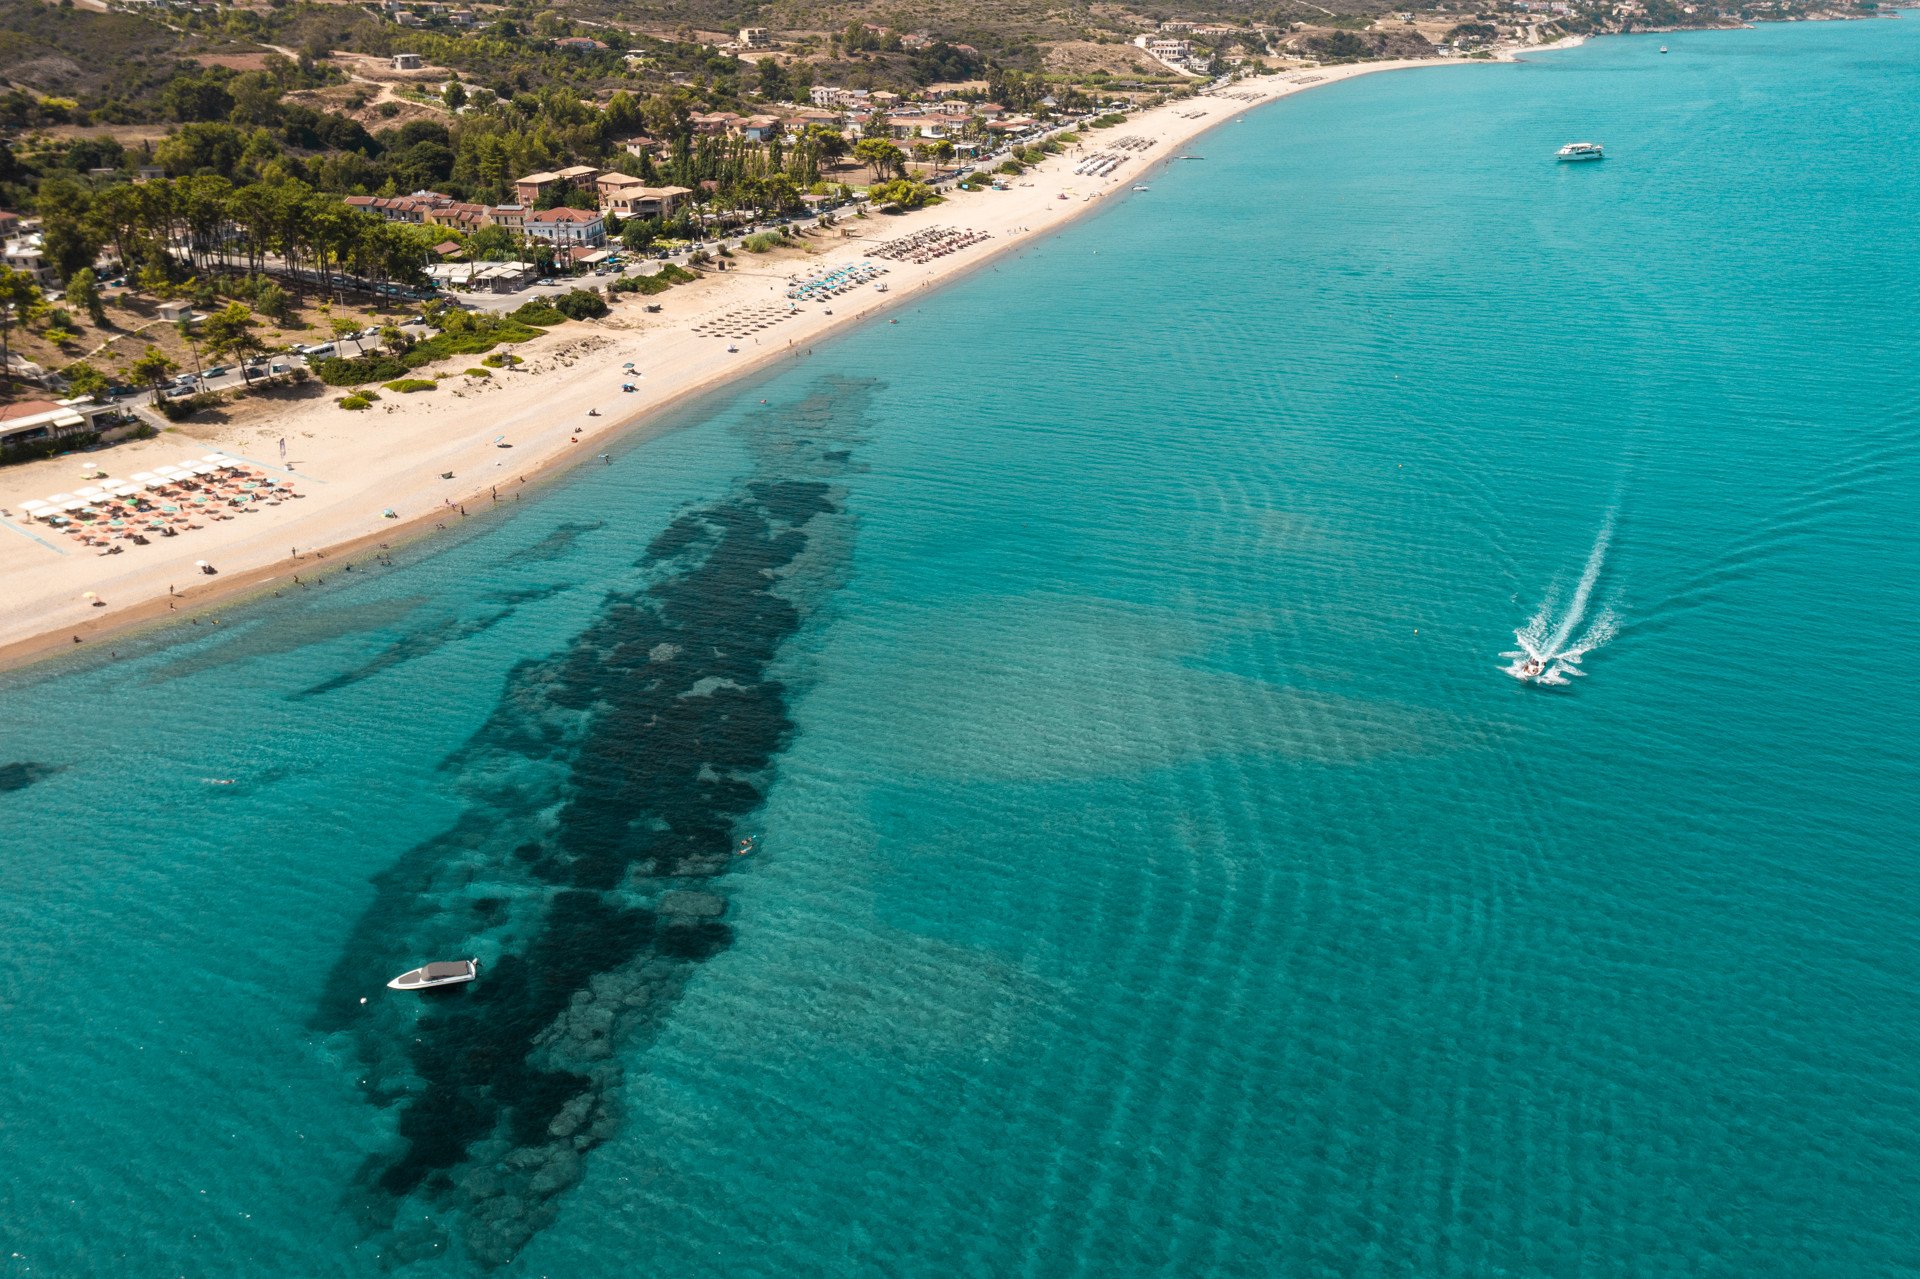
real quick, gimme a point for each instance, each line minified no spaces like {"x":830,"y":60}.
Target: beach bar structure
{"x":33,"y":421}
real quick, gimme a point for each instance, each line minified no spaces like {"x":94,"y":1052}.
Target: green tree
{"x":84,"y":379}
{"x":229,"y":334}
{"x":153,"y":369}
{"x":880,"y":156}
{"x":901,"y":193}
{"x":275,"y":303}
{"x":19,"y":297}
{"x":184,"y":327}
{"x":454,"y":95}
{"x":774,"y":84}
{"x":84,"y":291}
{"x":72,"y":236}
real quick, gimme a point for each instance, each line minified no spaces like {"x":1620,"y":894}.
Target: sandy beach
{"x":355,"y":467}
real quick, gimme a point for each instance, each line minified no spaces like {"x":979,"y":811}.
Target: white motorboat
{"x":1581,"y":151}
{"x":448,"y":972}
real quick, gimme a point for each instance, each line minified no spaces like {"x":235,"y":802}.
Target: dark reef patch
{"x":409,"y":647}
{"x":24,"y":773}
{"x":557,"y":543}
{"x":605,"y":795}
{"x":432,"y":637}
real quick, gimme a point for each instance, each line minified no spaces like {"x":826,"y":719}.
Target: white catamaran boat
{"x":1581,"y":151}
{"x":449,"y":972}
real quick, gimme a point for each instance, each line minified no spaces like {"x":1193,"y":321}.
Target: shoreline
{"x":350,"y":481}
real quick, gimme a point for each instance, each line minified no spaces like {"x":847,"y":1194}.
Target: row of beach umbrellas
{"x":107,"y":489}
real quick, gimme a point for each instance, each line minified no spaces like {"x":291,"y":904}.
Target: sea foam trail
{"x":1548,"y":651}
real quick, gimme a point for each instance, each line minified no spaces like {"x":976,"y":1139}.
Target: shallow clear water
{"x":1155,"y":872}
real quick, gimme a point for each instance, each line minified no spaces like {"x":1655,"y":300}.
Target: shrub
{"x":579,"y":304}
{"x":342,"y":371}
{"x":762,"y":242}
{"x":639,"y":284}
{"x":33,"y":450}
{"x":464,"y":334}
{"x":1011,"y":167}
{"x":181,"y":410}
{"x":478,"y":373}
{"x":355,"y":402}
{"x":541,"y":312}
{"x":902,"y":193}
{"x":408,"y":385}
{"x":501,"y":360}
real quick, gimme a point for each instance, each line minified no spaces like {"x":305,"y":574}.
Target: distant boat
{"x":1663,"y":48}
{"x":1141,"y":186}
{"x":1581,"y":151}
{"x":449,"y":972}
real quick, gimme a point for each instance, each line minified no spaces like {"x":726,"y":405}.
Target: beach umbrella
{"x":127,"y":490}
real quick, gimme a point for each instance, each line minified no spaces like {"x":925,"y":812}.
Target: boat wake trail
{"x":1549,"y":651}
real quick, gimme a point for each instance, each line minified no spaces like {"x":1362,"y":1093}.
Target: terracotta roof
{"x":26,"y":408}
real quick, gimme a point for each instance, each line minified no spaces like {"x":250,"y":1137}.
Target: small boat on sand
{"x":448,"y":972}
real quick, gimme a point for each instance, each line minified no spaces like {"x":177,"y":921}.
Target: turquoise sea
{"x":1155,"y":873}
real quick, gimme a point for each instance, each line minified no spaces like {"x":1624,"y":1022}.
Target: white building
{"x":24,"y":255}
{"x":565,"y":228}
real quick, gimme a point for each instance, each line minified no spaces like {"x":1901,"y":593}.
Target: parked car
{"x":218,"y":370}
